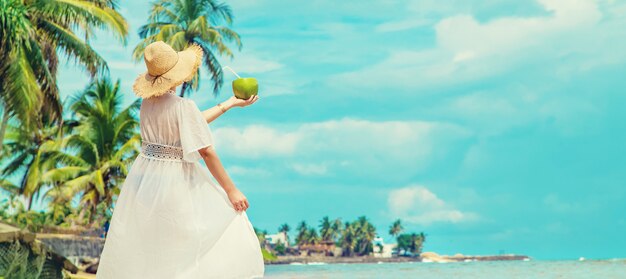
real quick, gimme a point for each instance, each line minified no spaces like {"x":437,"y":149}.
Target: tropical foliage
{"x":355,"y":238}
{"x":34,"y":35}
{"x":411,"y":242}
{"x":306,"y":234}
{"x":30,"y":155}
{"x":85,"y":159}
{"x":396,"y":228}
{"x":183,"y":22}
{"x":34,"y":152}
{"x":103,"y":142}
{"x":330,"y":230}
{"x":284,"y":228}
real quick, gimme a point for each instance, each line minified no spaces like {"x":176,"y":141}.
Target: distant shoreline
{"x":329,"y":260}
{"x":427,"y":257}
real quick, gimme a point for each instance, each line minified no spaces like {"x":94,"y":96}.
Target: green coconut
{"x":244,"y":88}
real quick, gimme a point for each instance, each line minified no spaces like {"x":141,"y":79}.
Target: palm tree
{"x":183,"y":22}
{"x":104,"y":142}
{"x":312,"y":236}
{"x":365,"y":232}
{"x":411,"y":242}
{"x":32,"y":156}
{"x":418,"y":242}
{"x":337,"y":226}
{"x":39,"y":167}
{"x":33,"y":34}
{"x":303,"y":233}
{"x":396,"y":228}
{"x":329,"y":230}
{"x":284,"y":228}
{"x":325,"y":228}
{"x":348,"y":239}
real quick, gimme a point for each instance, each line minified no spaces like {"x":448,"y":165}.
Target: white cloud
{"x":255,"y":140}
{"x":503,"y":36}
{"x":418,"y":205}
{"x":406,"y":140}
{"x":346,"y":146}
{"x":468,"y":50}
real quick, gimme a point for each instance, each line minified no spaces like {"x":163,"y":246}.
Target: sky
{"x":492,"y":126}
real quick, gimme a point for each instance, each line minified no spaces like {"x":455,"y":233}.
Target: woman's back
{"x":170,"y":120}
{"x":159,"y":118}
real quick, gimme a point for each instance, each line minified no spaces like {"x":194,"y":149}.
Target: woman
{"x":170,"y":219}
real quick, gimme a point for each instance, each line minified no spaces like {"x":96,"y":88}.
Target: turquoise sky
{"x":493,"y":126}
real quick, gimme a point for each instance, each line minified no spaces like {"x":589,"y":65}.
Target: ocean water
{"x":535,"y":269}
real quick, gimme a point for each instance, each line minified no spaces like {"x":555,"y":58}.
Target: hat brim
{"x":189,"y":60}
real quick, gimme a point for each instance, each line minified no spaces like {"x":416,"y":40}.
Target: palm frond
{"x":214,"y":67}
{"x":21,"y":91}
{"x":74,"y":47}
{"x":93,"y":15}
{"x":9,"y":187}
{"x":62,"y":174}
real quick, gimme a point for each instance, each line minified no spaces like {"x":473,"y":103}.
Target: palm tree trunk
{"x":3,"y":128}
{"x":92,"y":213}
{"x":80,"y":217}
{"x":183,"y":89}
{"x":30,"y":201}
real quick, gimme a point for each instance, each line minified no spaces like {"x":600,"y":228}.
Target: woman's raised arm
{"x":214,"y":112}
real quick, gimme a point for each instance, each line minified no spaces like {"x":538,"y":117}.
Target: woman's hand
{"x":236,"y":102}
{"x":239,"y":201}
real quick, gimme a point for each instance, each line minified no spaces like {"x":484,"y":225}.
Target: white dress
{"x":170,"y":219}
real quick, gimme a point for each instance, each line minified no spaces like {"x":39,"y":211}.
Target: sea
{"x":535,"y":269}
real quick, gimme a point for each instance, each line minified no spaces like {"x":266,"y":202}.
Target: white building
{"x":379,"y":243}
{"x":274,"y":238}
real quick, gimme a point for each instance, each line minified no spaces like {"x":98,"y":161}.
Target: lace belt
{"x":161,"y":151}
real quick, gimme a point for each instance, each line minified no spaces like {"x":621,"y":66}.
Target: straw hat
{"x":167,"y":68}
